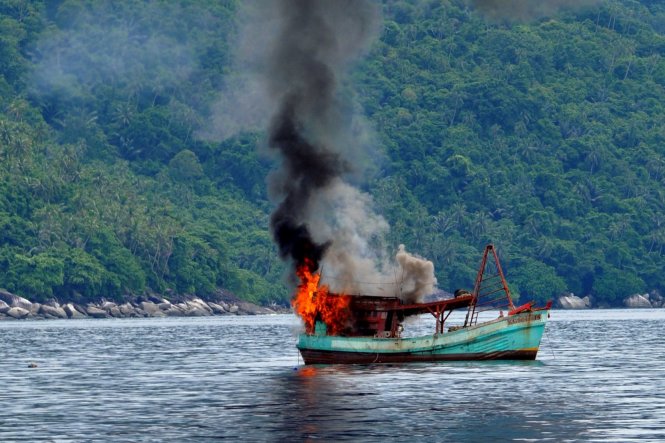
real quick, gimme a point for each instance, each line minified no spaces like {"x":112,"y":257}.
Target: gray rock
{"x":72,"y":312}
{"x":4,"y":307}
{"x":111,"y":309}
{"x":174,"y":311}
{"x":114,"y":311}
{"x":200,"y":304}
{"x":21,"y":302}
{"x":198,"y":312}
{"x":34,"y":308}
{"x":637,"y":301}
{"x":108,"y":305}
{"x":217,"y":309}
{"x":50,"y":311}
{"x":150,"y":308}
{"x":14,"y":300}
{"x":656,"y":299}
{"x":234,"y":309}
{"x":95,"y":312}
{"x":165,"y":306}
{"x":587,"y":301}
{"x":252,"y":309}
{"x":571,"y":301}
{"x":128,"y":310}
{"x":192,"y":309}
{"x":140,"y":312}
{"x":17,"y":313}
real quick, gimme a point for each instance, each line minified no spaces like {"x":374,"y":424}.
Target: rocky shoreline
{"x":652,"y":299}
{"x":14,"y":307}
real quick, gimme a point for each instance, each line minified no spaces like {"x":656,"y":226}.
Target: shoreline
{"x":13,"y":307}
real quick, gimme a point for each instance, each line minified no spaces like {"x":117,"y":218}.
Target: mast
{"x":490,"y":290}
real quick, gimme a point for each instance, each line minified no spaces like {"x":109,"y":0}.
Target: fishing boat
{"x":374,"y":328}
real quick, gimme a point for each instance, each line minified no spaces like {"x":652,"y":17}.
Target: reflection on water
{"x":598,"y":377}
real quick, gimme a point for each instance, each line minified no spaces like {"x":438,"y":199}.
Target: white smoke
{"x":357,"y":261}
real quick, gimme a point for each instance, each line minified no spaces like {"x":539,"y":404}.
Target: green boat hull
{"x":515,"y":337}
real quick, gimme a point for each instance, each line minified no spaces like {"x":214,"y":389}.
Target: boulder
{"x":4,"y":307}
{"x":14,"y":300}
{"x":21,"y":302}
{"x":173,"y":311}
{"x":114,"y":311}
{"x":571,"y":301}
{"x":197,"y":302}
{"x":140,"y":312}
{"x":50,"y":311}
{"x":17,"y":313}
{"x":72,"y":312}
{"x":34,"y":308}
{"x":197,"y":312}
{"x":656,"y":298}
{"x":95,"y":312}
{"x":111,"y":309}
{"x":217,"y":309}
{"x":192,"y":309}
{"x":637,"y":301}
{"x":127,"y":310}
{"x":150,"y":308}
{"x":252,"y":309}
{"x":233,"y":309}
{"x":108,"y":305}
{"x":165,"y":306}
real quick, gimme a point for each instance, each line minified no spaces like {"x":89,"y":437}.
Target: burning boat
{"x":322,"y":219}
{"x":369,"y":329}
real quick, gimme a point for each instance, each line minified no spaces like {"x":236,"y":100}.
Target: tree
{"x":614,"y":285}
{"x":536,"y":280}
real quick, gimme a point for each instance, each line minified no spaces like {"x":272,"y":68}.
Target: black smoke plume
{"x":316,"y":40}
{"x":294,"y":56}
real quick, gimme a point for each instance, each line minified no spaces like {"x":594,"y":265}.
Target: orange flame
{"x":313,"y":303}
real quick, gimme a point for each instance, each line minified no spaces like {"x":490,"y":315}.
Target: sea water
{"x":599,"y":376}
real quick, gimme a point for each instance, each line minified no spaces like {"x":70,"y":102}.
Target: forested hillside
{"x":546,"y":137}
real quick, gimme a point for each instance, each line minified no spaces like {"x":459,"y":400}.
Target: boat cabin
{"x":382,"y":317}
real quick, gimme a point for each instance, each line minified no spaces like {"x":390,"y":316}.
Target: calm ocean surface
{"x":600,"y":376}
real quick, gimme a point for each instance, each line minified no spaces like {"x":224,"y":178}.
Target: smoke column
{"x":321,"y":220}
{"x":311,"y":49}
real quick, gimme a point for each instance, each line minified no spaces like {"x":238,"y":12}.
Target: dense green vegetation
{"x":105,"y":191}
{"x":546,"y":138}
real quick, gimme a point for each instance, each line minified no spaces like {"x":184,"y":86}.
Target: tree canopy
{"x":544,"y":137}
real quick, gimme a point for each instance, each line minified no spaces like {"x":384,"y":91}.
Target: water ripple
{"x":598,"y":377}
